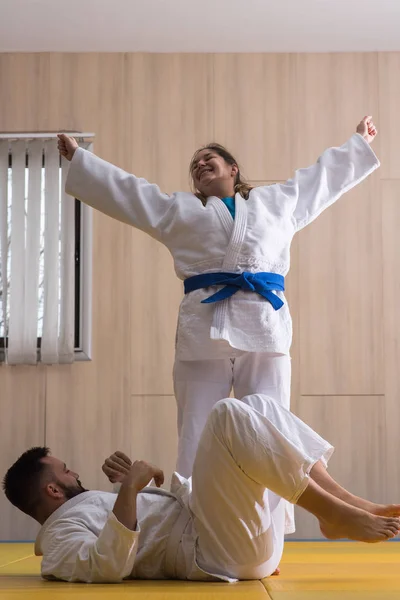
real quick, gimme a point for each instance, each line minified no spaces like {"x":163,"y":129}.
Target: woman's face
{"x":211,"y":174}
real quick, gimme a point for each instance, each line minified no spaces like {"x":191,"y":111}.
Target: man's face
{"x":67,"y":480}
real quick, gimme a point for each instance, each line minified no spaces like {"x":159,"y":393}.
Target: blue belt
{"x":262,"y":283}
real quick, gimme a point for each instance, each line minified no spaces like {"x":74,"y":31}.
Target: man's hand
{"x":140,"y":475}
{"x":367,"y":129}
{"x":117,"y":467}
{"x":66,"y":145}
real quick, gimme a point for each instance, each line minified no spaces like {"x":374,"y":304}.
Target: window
{"x":58,"y":279}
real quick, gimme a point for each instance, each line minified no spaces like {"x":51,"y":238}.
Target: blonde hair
{"x":241,"y":186}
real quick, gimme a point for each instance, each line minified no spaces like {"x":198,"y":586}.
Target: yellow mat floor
{"x":309,"y":571}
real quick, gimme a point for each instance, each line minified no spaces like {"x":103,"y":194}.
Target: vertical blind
{"x":37,"y":231}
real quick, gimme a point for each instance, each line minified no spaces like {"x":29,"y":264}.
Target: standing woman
{"x":231,"y":246}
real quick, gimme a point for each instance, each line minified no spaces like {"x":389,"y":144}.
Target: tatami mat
{"x":309,"y":571}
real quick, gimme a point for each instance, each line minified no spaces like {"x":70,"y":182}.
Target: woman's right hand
{"x":66,"y":145}
{"x":367,"y":129}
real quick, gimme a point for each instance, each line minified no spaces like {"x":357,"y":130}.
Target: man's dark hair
{"x":22,"y":481}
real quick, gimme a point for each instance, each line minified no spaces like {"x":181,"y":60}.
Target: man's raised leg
{"x":252,"y":453}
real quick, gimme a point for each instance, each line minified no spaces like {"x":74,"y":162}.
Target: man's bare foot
{"x":381,"y":510}
{"x":276,"y":572}
{"x":357,"y":524}
{"x":385,"y":510}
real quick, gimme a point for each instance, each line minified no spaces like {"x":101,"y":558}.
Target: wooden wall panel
{"x":255,"y":112}
{"x":340,"y":272}
{"x":391,"y":324}
{"x":156,"y":294}
{"x":88,"y":418}
{"x":333,"y":93}
{"x":22,"y":409}
{"x":75,"y":92}
{"x":277,"y":113}
{"x":356,"y":427}
{"x":154,"y":434}
{"x":25,"y":81}
{"x":89,"y":402}
{"x":389,"y":102}
{"x":171,"y":104}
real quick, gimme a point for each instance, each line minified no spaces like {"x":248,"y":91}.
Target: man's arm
{"x":72,"y":552}
{"x":139,"y":475}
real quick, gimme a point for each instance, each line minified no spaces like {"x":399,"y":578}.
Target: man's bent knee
{"x":226,"y":405}
{"x":223,"y":409}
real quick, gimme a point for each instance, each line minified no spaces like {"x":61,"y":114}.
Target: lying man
{"x":227,"y":523}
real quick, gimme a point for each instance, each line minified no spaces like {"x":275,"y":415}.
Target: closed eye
{"x":206,"y":157}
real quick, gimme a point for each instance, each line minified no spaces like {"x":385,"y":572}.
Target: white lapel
{"x":236,"y":229}
{"x":223,"y":213}
{"x":238,"y":233}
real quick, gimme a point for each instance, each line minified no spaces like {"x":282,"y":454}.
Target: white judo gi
{"x":252,"y":454}
{"x":240,"y":341}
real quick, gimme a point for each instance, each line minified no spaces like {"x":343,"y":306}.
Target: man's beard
{"x":72,"y":491}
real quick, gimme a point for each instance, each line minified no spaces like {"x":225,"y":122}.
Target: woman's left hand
{"x":367,"y":129}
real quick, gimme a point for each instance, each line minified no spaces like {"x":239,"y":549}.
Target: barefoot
{"x":381,"y":510}
{"x":357,"y":524}
{"x":385,"y":510}
{"x":276,"y":572}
